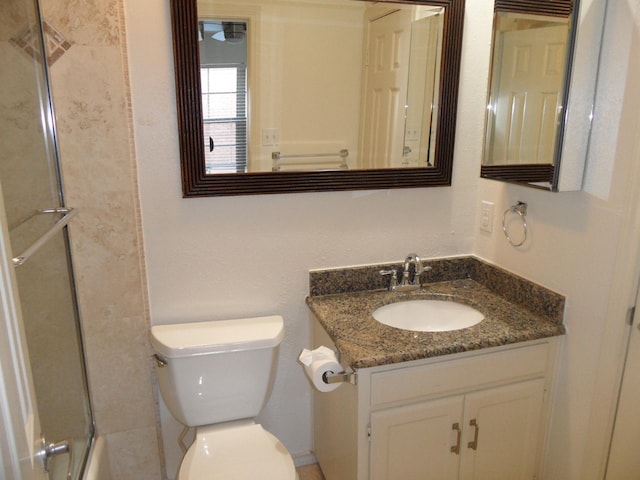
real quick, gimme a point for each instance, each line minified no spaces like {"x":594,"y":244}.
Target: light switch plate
{"x":486,"y":216}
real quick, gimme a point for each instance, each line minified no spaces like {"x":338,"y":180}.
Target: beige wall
{"x":92,"y":112}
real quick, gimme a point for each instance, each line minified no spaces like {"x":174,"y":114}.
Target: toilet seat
{"x":244,"y":451}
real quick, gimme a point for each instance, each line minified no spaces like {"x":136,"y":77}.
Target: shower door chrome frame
{"x":23,"y":450}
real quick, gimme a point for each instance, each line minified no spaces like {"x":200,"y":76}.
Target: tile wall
{"x":91,"y":98}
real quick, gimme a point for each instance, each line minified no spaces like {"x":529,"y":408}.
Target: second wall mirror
{"x":278,"y":96}
{"x":542,"y":91}
{"x":528,"y":94}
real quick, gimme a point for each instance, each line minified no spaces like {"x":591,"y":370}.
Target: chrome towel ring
{"x":519,"y":209}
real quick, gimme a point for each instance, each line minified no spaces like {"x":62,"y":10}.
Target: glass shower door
{"x":37,"y":217}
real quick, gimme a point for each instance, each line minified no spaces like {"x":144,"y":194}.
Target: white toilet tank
{"x":217,"y":371}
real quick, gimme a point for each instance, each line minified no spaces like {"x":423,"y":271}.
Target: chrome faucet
{"x":407,"y":285}
{"x":414,"y":259}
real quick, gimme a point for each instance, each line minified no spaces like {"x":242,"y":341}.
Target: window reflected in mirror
{"x":223,"y":82}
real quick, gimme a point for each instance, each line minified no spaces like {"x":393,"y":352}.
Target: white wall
{"x":577,"y":247}
{"x":228,"y":257}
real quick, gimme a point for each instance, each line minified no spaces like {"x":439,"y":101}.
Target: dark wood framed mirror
{"x":531,"y":64}
{"x":196,"y":182}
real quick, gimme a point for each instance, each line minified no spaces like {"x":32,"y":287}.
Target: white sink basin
{"x":428,"y":315}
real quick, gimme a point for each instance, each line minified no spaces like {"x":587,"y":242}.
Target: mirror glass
{"x":341,"y":85}
{"x":527,"y":96}
{"x":336,"y":94}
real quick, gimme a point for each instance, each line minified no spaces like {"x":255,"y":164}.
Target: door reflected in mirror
{"x":318,"y":85}
{"x":400,"y":85}
{"x":525,"y":103}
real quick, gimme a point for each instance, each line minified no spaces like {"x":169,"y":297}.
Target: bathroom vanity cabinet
{"x":474,"y":415}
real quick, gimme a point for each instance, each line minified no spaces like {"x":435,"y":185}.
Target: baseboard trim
{"x":304,"y":458}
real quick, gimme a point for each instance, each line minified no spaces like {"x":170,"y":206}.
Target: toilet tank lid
{"x":199,"y":338}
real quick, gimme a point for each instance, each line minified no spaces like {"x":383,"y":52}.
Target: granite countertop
{"x":363,"y":342}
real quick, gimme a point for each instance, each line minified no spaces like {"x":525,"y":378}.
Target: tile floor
{"x":310,"y":472}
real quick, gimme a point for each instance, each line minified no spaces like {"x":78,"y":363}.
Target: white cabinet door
{"x":501,"y":432}
{"x":496,"y":432}
{"x":417,"y":442}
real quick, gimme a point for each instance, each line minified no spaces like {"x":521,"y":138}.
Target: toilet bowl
{"x":217,"y":376}
{"x":245,"y":451}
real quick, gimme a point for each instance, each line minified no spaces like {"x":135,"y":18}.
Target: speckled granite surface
{"x":515,"y":310}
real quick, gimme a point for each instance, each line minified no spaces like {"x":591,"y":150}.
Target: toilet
{"x":217,"y":376}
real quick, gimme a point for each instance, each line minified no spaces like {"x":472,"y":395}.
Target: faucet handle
{"x":394,"y":278}
{"x":416,"y":276}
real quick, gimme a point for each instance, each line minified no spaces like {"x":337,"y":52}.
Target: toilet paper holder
{"x":340,"y":377}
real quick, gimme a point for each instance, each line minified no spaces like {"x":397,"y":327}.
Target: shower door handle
{"x":49,"y":450}
{"x":68,"y":214}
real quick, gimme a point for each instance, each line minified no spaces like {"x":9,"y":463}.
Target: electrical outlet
{"x":270,"y":137}
{"x":412,"y":134}
{"x":486,"y":216}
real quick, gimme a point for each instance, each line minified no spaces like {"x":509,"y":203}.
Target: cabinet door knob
{"x":474,"y":445}
{"x":456,"y":448}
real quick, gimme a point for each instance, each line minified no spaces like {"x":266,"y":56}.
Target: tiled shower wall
{"x":28,"y":185}
{"x":93,"y":115}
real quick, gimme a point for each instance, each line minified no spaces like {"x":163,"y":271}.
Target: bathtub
{"x":98,"y":463}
